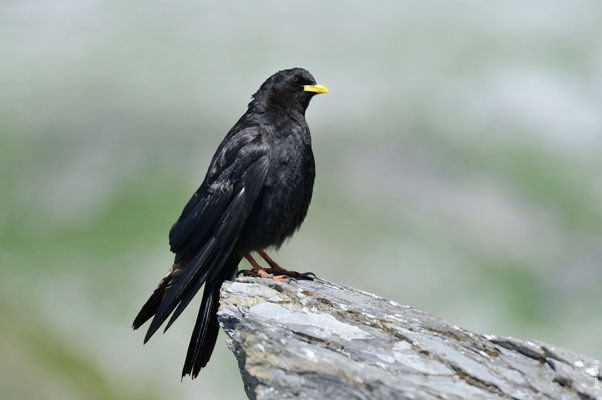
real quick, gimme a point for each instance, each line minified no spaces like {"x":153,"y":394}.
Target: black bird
{"x":255,"y":195}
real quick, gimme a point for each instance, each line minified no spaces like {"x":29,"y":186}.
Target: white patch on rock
{"x":591,"y":371}
{"x":396,"y":318}
{"x":384,"y":357}
{"x":237,"y":287}
{"x":401,"y":345}
{"x":310,"y":353}
{"x":320,"y":325}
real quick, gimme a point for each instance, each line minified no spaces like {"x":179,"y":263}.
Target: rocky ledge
{"x":319,"y":340}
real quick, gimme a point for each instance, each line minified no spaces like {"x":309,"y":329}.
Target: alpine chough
{"x":255,"y":195}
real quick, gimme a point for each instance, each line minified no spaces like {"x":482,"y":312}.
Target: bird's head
{"x":291,"y":89}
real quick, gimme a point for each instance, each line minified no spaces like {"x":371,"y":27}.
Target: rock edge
{"x":317,"y":339}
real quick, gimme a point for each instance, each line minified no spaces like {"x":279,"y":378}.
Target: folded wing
{"x":207,"y":231}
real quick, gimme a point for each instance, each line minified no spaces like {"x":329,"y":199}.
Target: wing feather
{"x":207,"y":231}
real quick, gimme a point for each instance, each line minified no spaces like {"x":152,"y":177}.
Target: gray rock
{"x":319,"y":340}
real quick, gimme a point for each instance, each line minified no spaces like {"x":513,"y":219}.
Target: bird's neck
{"x":275,"y":111}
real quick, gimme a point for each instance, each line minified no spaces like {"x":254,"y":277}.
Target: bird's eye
{"x":296,"y":78}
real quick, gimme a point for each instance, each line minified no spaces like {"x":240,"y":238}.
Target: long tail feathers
{"x":149,"y":309}
{"x":204,"y":334}
{"x":206,"y":328}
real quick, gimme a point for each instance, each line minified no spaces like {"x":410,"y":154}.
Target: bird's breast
{"x":284,"y":200}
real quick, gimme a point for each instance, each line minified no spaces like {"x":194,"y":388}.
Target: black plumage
{"x":256,"y":194}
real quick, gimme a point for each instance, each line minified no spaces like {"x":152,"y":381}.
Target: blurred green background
{"x":458,"y":170}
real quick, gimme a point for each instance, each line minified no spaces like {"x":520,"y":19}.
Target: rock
{"x":319,"y":340}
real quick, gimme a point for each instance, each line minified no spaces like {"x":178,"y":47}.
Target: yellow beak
{"x":315,"y":88}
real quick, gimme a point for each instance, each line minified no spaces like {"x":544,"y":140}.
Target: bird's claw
{"x":264,"y":274}
{"x":310,"y":276}
{"x":247,"y":272}
{"x":281,"y":277}
{"x":293,"y":275}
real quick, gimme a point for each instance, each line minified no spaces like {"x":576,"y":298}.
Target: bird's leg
{"x":273,"y":264}
{"x":259,"y":271}
{"x":277,"y":269}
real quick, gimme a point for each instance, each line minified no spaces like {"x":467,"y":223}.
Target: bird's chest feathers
{"x":288,"y":160}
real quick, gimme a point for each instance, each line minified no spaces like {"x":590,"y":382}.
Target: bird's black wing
{"x":208,"y":229}
{"x":233,"y":156}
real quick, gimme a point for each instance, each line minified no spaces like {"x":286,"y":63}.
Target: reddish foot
{"x":275,"y":272}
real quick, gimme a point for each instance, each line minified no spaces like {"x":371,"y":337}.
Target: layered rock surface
{"x":319,"y":340}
